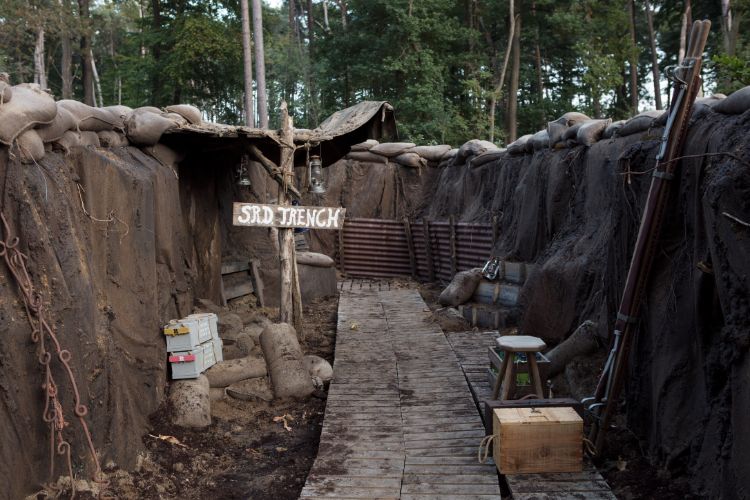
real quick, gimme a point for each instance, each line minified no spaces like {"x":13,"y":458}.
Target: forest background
{"x":454,"y":69}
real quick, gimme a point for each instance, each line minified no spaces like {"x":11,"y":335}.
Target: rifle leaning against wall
{"x":687,"y":83}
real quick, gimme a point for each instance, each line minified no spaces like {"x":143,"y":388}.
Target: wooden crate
{"x":537,"y":440}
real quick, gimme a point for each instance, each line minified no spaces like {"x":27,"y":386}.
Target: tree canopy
{"x":437,"y":61}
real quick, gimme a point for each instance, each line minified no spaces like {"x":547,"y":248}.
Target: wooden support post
{"x":289,"y":306}
{"x":428,"y":249}
{"x":454,"y":253}
{"x":410,"y":245}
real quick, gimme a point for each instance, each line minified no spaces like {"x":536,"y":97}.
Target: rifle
{"x":687,"y":83}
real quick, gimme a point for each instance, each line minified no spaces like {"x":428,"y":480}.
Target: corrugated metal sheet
{"x":379,"y":248}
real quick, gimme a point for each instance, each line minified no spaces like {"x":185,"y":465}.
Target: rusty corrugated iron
{"x":379,"y":248}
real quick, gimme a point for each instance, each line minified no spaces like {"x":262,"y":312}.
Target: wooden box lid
{"x":533,"y":416}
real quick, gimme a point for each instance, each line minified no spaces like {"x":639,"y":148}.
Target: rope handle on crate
{"x":484,"y":448}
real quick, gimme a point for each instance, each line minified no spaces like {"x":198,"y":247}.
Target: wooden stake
{"x":428,"y":249}
{"x":289,"y":277}
{"x":410,"y":245}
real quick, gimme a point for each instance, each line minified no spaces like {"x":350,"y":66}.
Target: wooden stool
{"x":512,"y":344}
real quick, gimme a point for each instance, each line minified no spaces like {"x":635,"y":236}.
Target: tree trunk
{"x":729,"y":27}
{"x":313,"y":104}
{"x":95,"y":76}
{"x":87,"y":72}
{"x":683,"y":31}
{"x":66,"y":52}
{"x":260,"y":64}
{"x":325,"y":16}
{"x":247,"y":65}
{"x":633,"y":61}
{"x":500,"y":78}
{"x":513,"y":86}
{"x":40,"y":73}
{"x":156,"y":79}
{"x":654,"y":56}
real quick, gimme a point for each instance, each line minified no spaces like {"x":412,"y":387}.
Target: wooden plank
{"x":238,"y":290}
{"x":234,"y":267}
{"x":410,"y":246}
{"x":428,"y":250}
{"x":257,"y":282}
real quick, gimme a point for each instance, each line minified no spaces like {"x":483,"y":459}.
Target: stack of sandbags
{"x":471,"y":150}
{"x":738,"y":102}
{"x":406,"y":154}
{"x":25,"y":106}
{"x":643,"y":122}
{"x":556,"y":129}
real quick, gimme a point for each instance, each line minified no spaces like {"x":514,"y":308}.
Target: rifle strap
{"x":663,"y":175}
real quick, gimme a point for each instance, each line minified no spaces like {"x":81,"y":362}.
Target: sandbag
{"x":188,"y":112}
{"x":253,"y":389}
{"x":112,"y":139}
{"x":149,"y":109}
{"x":30,"y":146}
{"x":118,"y":111}
{"x":6,"y":92}
{"x":487,"y":157}
{"x":461,"y":288}
{"x":89,"y":138}
{"x":449,"y":155}
{"x":318,"y":367}
{"x":704,"y":105}
{"x":64,"y":121}
{"x":228,"y":372}
{"x":410,"y":160}
{"x":556,"y":128}
{"x":190,"y":403}
{"x":314,"y":259}
{"x":164,"y":154}
{"x":571,"y":132}
{"x":613,"y":129}
{"x":431,"y":153}
{"x":282,"y":351}
{"x":68,"y":141}
{"x":520,"y":145}
{"x":474,"y":147}
{"x":178,"y":119}
{"x":391,"y":149}
{"x":145,"y":128}
{"x":737,"y":102}
{"x":366,"y":157}
{"x":28,"y":107}
{"x":89,"y":118}
{"x":364,"y":146}
{"x":639,"y":123}
{"x":591,"y":131}
{"x":540,"y":140}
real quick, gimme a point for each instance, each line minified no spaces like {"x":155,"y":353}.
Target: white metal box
{"x":187,"y":333}
{"x":190,"y":364}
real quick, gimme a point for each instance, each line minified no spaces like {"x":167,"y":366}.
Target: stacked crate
{"x":193,"y":345}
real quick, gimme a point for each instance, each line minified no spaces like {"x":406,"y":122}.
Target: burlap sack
{"x":556,"y":129}
{"x":591,"y":131}
{"x":736,"y":103}
{"x":410,"y":160}
{"x":68,"y":141}
{"x":89,"y":118}
{"x":639,"y":123}
{"x":112,"y":139}
{"x":520,"y":145}
{"x":30,"y":146}
{"x":431,"y":153}
{"x":487,"y":157}
{"x":145,"y":128}
{"x":188,"y":112}
{"x":540,"y":140}
{"x":28,"y":107}
{"x":364,"y":146}
{"x":366,"y":157}
{"x":64,"y":121}
{"x":391,"y":149}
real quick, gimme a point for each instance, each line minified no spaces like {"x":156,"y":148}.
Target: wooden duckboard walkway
{"x":400,"y":420}
{"x":471,"y":350}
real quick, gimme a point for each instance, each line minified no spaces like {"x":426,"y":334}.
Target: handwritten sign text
{"x":261,"y":215}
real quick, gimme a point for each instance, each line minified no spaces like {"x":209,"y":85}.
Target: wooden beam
{"x":410,"y":245}
{"x":274,"y":171}
{"x":290,"y":303}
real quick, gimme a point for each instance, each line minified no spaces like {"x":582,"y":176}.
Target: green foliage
{"x":436,"y":61}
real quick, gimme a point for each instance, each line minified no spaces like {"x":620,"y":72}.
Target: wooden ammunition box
{"x":537,"y":440}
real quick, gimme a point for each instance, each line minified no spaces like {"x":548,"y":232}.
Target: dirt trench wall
{"x":109,"y":281}
{"x":576,"y":213}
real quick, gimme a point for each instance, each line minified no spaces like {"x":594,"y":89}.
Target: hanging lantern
{"x":243,"y":178}
{"x":317,"y":185}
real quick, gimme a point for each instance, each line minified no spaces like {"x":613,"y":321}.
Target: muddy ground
{"x":245,"y":453}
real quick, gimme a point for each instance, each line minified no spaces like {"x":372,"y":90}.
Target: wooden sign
{"x":261,"y":215}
